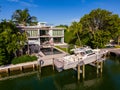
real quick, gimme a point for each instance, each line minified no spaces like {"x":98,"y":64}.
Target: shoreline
{"x":47,"y":61}
{"x":35,"y":65}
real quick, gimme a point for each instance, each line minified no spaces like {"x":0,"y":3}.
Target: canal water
{"x":67,"y":80}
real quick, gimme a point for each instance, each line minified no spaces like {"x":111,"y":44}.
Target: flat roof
{"x":38,"y":27}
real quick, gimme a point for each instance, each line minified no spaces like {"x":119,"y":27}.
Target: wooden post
{"x":37,"y":66}
{"x":101,"y":67}
{"x":83,"y":71}
{"x":8,"y":71}
{"x":108,"y":53}
{"x":33,"y":67}
{"x":53,"y":63}
{"x":40,"y":68}
{"x":78,"y":72}
{"x":97,"y":67}
{"x":21,"y":69}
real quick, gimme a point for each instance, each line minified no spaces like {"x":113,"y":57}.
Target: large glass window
{"x":43,"y":32}
{"x":57,"y":40}
{"x":32,"y":33}
{"x":57,"y":32}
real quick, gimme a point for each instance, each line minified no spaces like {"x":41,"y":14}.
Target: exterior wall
{"x":51,"y":34}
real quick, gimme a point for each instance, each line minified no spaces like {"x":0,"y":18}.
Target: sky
{"x":56,"y":12}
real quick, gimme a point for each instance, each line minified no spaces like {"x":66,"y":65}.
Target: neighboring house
{"x":43,"y":34}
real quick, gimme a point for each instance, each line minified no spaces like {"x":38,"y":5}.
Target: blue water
{"x":67,"y":80}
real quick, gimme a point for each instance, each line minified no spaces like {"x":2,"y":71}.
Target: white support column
{"x":63,"y":36}
{"x":101,"y":67}
{"x":53,"y":63}
{"x":97,"y":67}
{"x":39,"y":37}
{"x":78,"y":72}
{"x":83,"y":71}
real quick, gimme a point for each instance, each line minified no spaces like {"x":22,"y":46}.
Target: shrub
{"x":24,"y":58}
{"x":61,"y":48}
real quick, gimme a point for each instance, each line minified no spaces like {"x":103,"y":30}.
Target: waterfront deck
{"x":72,"y":63}
{"x":49,"y":60}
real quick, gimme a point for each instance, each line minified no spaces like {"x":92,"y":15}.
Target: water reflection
{"x":67,"y":80}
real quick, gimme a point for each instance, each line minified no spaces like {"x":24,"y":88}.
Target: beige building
{"x":43,"y":34}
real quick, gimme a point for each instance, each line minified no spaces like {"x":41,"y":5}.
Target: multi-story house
{"x":43,"y":34}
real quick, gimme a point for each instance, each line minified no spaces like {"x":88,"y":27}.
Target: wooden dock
{"x":74,"y":61}
{"x":113,"y":51}
{"x":49,"y":60}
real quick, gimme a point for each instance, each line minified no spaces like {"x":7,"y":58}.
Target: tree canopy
{"x":98,"y":27}
{"x":11,"y":40}
{"x":23,"y":17}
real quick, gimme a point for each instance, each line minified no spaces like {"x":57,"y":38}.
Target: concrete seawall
{"x":115,"y":53}
{"x":47,"y":60}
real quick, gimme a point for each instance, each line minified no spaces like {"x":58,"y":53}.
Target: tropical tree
{"x":11,"y":40}
{"x":76,"y":28}
{"x":63,"y":26}
{"x":23,"y":17}
{"x":101,"y":25}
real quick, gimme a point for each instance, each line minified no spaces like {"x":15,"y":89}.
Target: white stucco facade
{"x":42,"y":34}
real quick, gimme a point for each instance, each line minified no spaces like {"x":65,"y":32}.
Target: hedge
{"x":24,"y":58}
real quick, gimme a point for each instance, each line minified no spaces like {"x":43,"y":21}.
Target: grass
{"x":64,"y":49}
{"x":117,"y":46}
{"x":24,"y":58}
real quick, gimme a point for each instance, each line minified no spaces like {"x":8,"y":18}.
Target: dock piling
{"x":33,"y":67}
{"x":53,"y":63}
{"x":83,"y":71}
{"x":97,"y":67}
{"x":78,"y":72}
{"x":101,"y":67}
{"x":40,"y":68}
{"x":21,"y":69}
{"x":8,"y":71}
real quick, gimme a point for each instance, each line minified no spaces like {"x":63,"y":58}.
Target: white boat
{"x":83,"y":55}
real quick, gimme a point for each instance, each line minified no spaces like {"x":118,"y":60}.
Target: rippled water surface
{"x":67,"y":80}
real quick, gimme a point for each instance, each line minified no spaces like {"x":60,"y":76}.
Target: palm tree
{"x":76,"y":27}
{"x":13,"y":39}
{"x":23,"y":17}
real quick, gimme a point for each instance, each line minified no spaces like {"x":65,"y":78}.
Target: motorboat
{"x":88,"y":51}
{"x":81,"y":56}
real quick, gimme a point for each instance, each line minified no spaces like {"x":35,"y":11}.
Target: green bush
{"x":64,"y":49}
{"x":24,"y":58}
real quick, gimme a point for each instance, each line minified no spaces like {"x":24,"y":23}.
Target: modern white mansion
{"x":43,"y":34}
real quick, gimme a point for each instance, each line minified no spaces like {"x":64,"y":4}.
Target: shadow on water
{"x":67,"y":80}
